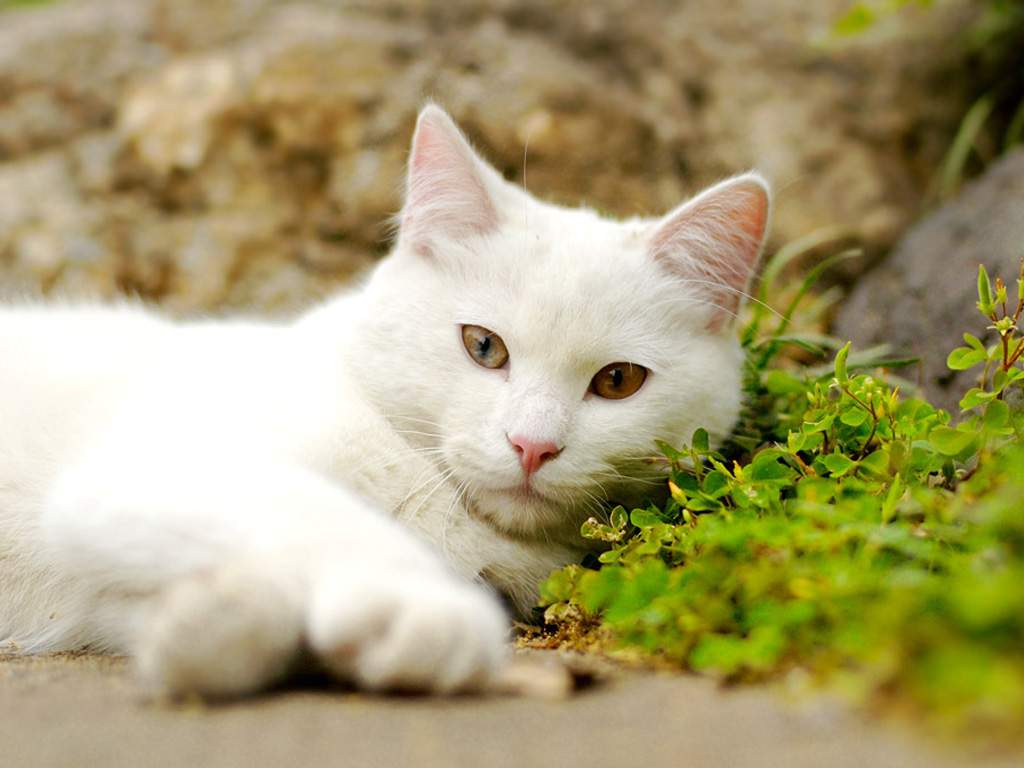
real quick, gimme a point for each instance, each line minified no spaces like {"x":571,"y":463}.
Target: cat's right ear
{"x":714,"y":242}
{"x":447,"y":195}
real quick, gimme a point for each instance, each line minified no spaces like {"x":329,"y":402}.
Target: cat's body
{"x":213,"y":496}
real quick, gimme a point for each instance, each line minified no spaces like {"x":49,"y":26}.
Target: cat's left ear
{"x":714,"y":241}
{"x":449,"y":190}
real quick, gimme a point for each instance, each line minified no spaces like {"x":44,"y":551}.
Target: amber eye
{"x":484,"y":346}
{"x":618,"y":380}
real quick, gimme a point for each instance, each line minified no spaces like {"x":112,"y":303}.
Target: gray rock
{"x":921,"y":299}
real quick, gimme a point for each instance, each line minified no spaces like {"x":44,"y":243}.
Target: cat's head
{"x":537,"y":351}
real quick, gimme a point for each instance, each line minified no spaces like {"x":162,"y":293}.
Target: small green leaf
{"x":767,"y":468}
{"x":619,"y":518}
{"x":877,"y":463}
{"x":645,"y":518}
{"x":702,"y":504}
{"x":949,"y":441}
{"x":611,"y":556}
{"x":838,"y":464}
{"x":963,"y":358}
{"x":820,"y":425}
{"x":999,"y":381}
{"x":796,"y":441}
{"x":974,"y":343}
{"x":716,"y":484}
{"x":854,"y":417}
{"x":559,"y":585}
{"x":974,"y":398}
{"x":668,"y":451}
{"x":840,"y":364}
{"x":984,"y":292}
{"x":700,"y":441}
{"x":997,"y":414}
{"x":591,"y":529}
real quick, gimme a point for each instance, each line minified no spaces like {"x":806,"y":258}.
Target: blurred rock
{"x":922,"y":297}
{"x":225,"y":153}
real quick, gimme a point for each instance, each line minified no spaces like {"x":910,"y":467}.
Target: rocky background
{"x":210,"y":154}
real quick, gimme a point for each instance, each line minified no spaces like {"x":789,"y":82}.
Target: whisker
{"x":428,"y":422}
{"x":457,"y":498}
{"x":731,"y":289}
{"x":445,"y":476}
{"x":418,"y":487}
{"x":416,"y":432}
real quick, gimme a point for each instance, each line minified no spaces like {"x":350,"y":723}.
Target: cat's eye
{"x":484,"y":346}
{"x":618,"y":380}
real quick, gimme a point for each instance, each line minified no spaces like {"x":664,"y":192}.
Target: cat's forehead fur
{"x":569,"y":287}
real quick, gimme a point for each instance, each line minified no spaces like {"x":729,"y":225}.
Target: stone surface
{"x":922,"y":298}
{"x":226,"y":153}
{"x":86,"y":712}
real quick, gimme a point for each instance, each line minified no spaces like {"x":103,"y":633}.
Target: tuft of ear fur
{"x":447,"y":192}
{"x":714,"y":241}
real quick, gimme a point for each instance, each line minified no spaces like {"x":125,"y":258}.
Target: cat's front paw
{"x":419,"y":632}
{"x":225,"y":633}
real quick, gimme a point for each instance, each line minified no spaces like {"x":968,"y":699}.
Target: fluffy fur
{"x":214,"y":497}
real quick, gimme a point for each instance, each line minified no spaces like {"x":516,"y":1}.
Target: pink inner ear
{"x":446,"y":195}
{"x":714,"y":241}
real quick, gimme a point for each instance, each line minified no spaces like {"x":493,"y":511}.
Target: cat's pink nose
{"x":533,"y":453}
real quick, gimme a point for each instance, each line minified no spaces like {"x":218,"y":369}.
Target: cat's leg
{"x":212,"y":567}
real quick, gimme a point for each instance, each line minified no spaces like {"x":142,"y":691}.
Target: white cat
{"x":214,"y":496}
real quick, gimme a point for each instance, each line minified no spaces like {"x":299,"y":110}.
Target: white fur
{"x":214,"y":496}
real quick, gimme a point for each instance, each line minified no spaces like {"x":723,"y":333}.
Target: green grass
{"x":865,"y":538}
{"x":5,"y":4}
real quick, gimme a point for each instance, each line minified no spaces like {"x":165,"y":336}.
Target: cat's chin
{"x":523,"y":511}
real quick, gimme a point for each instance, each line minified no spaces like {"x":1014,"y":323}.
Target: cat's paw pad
{"x":223,"y":634}
{"x":420,"y":633}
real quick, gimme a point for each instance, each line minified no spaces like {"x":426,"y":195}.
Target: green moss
{"x":848,"y":531}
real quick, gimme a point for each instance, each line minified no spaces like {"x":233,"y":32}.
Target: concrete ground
{"x":85,"y":711}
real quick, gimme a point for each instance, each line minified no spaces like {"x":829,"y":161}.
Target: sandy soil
{"x":87,"y":711}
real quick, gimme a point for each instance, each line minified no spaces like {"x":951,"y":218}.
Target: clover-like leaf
{"x":997,"y":414}
{"x":876,"y":463}
{"x":645,"y":518}
{"x":854,"y":417}
{"x":838,"y":464}
{"x":975,"y":397}
{"x":700,"y":441}
{"x":951,"y":442}
{"x":964,"y":358}
{"x":974,"y":342}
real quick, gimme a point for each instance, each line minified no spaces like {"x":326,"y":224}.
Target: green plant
{"x":848,"y":531}
{"x":861,"y":16}
{"x":23,"y":3}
